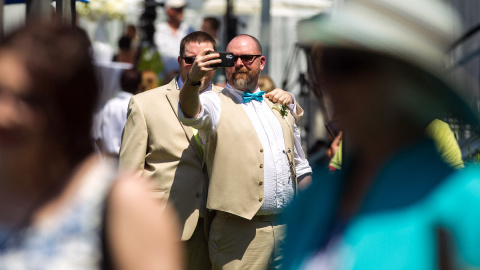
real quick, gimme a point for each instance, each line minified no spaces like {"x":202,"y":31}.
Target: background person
{"x":169,"y":33}
{"x":125,"y":52}
{"x":149,"y":80}
{"x":114,"y":113}
{"x":148,"y":54}
{"x":211,"y":25}
{"x":266,"y":83}
{"x":68,"y":209}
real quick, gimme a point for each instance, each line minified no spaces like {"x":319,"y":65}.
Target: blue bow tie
{"x":255,"y":96}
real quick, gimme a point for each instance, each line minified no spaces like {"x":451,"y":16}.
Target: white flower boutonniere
{"x":281,"y":108}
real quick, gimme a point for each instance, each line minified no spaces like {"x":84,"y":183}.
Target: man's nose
{"x":238,"y":62}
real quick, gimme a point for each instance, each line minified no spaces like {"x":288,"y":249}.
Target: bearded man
{"x":253,"y":154}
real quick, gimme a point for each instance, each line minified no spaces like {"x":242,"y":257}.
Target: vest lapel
{"x":173,"y":98}
{"x":288,"y":120}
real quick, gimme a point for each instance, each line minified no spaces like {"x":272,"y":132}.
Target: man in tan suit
{"x":158,"y":146}
{"x":253,"y":155}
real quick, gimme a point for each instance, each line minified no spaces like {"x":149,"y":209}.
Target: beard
{"x":243,"y":79}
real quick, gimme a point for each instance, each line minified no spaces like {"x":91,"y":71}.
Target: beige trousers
{"x":196,"y":250}
{"x":237,"y":243}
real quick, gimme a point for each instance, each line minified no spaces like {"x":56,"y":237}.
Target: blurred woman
{"x":60,"y":206}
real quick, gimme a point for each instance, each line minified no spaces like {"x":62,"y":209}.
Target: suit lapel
{"x":173,"y":98}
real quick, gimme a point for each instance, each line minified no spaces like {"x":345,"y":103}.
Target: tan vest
{"x":234,"y":157}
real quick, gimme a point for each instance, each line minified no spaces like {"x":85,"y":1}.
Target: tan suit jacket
{"x":158,"y":146}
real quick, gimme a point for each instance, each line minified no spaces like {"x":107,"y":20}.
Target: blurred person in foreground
{"x":114,"y":113}
{"x":61,"y":207}
{"x":439,"y":131}
{"x":396,"y":204}
{"x":156,"y":144}
{"x":253,"y":154}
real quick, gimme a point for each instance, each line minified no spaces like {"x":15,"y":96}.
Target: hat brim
{"x":355,"y":32}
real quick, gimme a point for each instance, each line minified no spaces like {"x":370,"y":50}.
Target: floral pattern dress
{"x":70,"y":239}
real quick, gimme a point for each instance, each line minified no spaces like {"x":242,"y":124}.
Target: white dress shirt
{"x":278,"y":187}
{"x":113,"y":119}
{"x":168,"y":43}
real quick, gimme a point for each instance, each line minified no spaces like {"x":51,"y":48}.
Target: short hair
{"x":214,"y":22}
{"x":257,"y":43}
{"x":130,"y":80}
{"x":67,"y":88}
{"x":124,"y":42}
{"x":198,"y":37}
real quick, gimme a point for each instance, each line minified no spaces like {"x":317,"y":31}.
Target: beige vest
{"x":234,"y":157}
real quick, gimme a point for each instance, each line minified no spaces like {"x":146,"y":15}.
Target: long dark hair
{"x":59,"y":64}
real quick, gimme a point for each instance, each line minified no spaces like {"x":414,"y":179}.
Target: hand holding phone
{"x":228,"y":59}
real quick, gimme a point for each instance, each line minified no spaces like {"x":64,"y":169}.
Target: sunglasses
{"x":189,"y":59}
{"x":246,"y":58}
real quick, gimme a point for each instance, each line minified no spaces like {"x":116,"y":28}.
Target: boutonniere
{"x":281,"y":108}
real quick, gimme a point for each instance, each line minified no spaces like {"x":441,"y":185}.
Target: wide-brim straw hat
{"x":415,"y":32}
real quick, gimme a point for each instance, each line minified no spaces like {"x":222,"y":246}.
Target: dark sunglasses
{"x":246,"y":58}
{"x":188,"y":59}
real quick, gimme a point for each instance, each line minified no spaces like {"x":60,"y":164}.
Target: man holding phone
{"x":253,"y":156}
{"x":155,"y":144}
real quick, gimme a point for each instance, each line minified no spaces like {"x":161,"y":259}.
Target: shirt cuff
{"x":190,"y":121}
{"x":292,"y":107}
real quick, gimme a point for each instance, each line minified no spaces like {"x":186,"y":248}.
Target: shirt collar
{"x":180,"y":84}
{"x":238,"y":94}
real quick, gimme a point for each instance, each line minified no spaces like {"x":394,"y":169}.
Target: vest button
{"x":289,"y":151}
{"x":261,"y":165}
{"x":260,"y":199}
{"x":261,"y":150}
{"x":198,"y":195}
{"x":260,"y":183}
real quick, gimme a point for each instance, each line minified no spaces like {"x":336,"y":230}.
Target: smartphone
{"x":228,"y":59}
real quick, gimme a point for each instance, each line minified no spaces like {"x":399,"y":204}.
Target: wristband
{"x":192,"y":82}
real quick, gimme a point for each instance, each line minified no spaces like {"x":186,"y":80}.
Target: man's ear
{"x":262,"y":62}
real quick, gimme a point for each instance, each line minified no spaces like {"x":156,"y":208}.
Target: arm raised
{"x":195,"y":82}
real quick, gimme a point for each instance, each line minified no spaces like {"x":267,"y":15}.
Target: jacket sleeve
{"x":134,"y":140}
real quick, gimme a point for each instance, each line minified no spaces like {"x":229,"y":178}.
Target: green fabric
{"x":150,"y":60}
{"x":444,"y":140}
{"x":195,"y":133}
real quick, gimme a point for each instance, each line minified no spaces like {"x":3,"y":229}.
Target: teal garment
{"x":413,"y":197}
